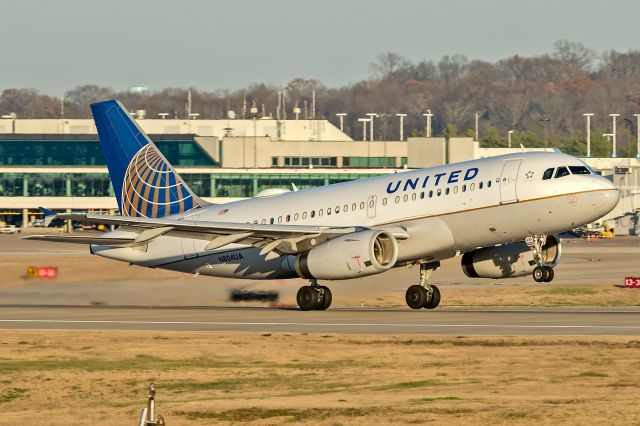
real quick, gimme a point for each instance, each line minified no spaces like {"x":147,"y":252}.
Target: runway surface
{"x":385,"y":321}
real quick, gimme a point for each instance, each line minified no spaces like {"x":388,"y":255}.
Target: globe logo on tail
{"x":151,"y":188}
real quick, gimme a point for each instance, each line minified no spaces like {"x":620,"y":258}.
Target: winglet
{"x":49,"y":216}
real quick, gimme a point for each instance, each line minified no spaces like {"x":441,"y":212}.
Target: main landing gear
{"x":424,"y":295}
{"x":541,"y":273}
{"x":314,"y":297}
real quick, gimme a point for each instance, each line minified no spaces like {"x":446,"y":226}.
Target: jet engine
{"x":349,"y":256}
{"x":509,"y":260}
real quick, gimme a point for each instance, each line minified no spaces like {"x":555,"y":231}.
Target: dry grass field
{"x":81,"y":378}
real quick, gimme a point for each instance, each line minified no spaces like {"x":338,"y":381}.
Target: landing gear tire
{"x":314,"y":297}
{"x":543,"y":274}
{"x":325,"y":301}
{"x":416,"y":297}
{"x":435,"y":298}
{"x":307,"y":298}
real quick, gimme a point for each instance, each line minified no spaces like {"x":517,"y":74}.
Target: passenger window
{"x":337,"y":209}
{"x":384,"y":201}
{"x":561,"y":171}
{"x":405,"y":198}
{"x":255,"y":221}
{"x":362,"y":205}
{"x":489,"y":184}
{"x":313,"y":213}
{"x":304,"y":215}
{"x":345,"y":208}
{"x":397,"y":199}
{"x":547,"y":174}
{"x":321,"y":212}
{"x":579,"y":170}
{"x":430,"y":194}
{"x":422,"y":195}
{"x":472,"y":187}
{"x":264,"y":221}
{"x":329,"y":211}
{"x":480,"y":185}
{"x":439,"y":192}
{"x":279,"y":219}
{"x":446,"y":191}
{"x":288,"y":218}
{"x":371,"y":203}
{"x":414,"y":196}
{"x":353,"y":207}
{"x":271,"y":221}
{"x":464,"y":188}
{"x":455,"y":189}
{"x":296,"y":216}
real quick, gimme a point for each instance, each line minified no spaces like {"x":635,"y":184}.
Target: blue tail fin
{"x":144,"y":182}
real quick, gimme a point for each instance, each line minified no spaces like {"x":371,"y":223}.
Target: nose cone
{"x":604,"y":196}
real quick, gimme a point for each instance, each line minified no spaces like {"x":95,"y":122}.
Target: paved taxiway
{"x":385,"y":321}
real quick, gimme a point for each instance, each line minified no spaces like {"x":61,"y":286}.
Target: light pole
{"x":637,"y":116}
{"x":588,"y":117}
{"x":341,"y":115}
{"x":428,"y":114}
{"x":613,"y":133}
{"x":609,"y":137}
{"x":509,"y":137}
{"x":402,"y":116}
{"x":371,"y":115}
{"x":364,"y":127}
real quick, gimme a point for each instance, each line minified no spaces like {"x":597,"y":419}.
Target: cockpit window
{"x":561,"y":171}
{"x":579,"y":170}
{"x":547,"y":174}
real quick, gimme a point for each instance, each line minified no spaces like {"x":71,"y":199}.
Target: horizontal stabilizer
{"x":82,"y":239}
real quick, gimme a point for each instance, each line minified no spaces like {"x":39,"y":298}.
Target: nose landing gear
{"x":542,"y":272}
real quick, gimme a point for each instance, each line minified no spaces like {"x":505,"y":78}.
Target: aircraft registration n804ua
{"x":500,"y":213}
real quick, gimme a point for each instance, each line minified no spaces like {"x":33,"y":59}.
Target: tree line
{"x":541,"y":98}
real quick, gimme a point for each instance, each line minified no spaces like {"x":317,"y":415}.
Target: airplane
{"x":500,"y":214}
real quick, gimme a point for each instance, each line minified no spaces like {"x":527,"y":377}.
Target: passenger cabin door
{"x":508,"y":181}
{"x":371,"y":206}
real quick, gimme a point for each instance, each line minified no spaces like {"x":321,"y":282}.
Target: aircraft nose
{"x":605,"y":195}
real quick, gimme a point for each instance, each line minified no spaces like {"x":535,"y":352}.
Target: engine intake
{"x":349,"y":256}
{"x":509,"y":260}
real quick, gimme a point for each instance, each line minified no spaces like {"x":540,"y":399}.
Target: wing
{"x":284,"y":238}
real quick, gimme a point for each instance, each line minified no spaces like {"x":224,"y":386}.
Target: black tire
{"x":548,"y":275}
{"x":539,"y":273}
{"x":307,"y":298}
{"x":416,"y":296}
{"x":326,"y":299}
{"x":435,"y":299}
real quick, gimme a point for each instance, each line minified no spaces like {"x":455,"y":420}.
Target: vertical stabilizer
{"x":144,"y":182}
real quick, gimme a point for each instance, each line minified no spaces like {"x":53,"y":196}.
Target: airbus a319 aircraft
{"x":499,"y":213}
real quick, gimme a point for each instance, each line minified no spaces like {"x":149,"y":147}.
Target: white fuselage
{"x":445,"y":211}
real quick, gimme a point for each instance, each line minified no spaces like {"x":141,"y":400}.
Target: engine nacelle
{"x":349,"y":256}
{"x":509,"y":260}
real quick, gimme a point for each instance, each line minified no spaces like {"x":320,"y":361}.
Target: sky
{"x":54,"y":46}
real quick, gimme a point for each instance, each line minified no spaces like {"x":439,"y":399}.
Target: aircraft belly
{"x":246,"y":263}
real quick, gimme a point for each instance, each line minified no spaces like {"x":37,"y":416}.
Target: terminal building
{"x":59,"y":163}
